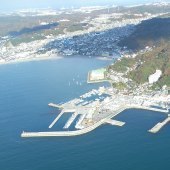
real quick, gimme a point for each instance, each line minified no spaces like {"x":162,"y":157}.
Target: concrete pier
{"x":54,"y":105}
{"x":159,"y":126}
{"x":70,"y":121}
{"x":56,"y":119}
{"x":149,"y":108}
{"x":78,"y":124}
{"x":115,"y":122}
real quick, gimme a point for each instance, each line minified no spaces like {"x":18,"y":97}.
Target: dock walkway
{"x":71,"y":120}
{"x":56,"y":119}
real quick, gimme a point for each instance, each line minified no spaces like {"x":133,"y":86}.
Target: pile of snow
{"x":155,"y":77}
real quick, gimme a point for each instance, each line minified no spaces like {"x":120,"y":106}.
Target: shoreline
{"x":31,"y":59}
{"x":54,"y":57}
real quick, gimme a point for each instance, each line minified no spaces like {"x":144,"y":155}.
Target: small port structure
{"x":103,"y":110}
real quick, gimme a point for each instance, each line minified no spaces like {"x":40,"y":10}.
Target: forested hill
{"x":148,"y":33}
{"x":146,"y":64}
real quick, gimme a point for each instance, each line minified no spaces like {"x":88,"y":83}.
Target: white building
{"x":153,"y":78}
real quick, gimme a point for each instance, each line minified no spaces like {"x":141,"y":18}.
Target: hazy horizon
{"x":25,"y":4}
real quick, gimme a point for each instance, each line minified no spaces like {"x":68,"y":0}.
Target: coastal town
{"x":85,"y":85}
{"x":96,"y":32}
{"x":96,"y":35}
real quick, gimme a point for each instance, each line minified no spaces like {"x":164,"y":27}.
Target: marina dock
{"x":55,"y":120}
{"x":71,"y":133}
{"x":58,"y":117}
{"x":70,"y":121}
{"x":98,"y":107}
{"x":94,"y":126}
{"x":78,"y":124}
{"x":160,"y":125}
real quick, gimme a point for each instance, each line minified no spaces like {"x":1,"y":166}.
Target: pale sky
{"x":10,"y":5}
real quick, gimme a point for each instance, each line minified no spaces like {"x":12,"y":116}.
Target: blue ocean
{"x":25,"y":91}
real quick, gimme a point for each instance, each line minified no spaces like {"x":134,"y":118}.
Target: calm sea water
{"x":25,"y":91}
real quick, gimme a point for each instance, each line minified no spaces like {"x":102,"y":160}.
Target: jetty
{"x":58,"y":117}
{"x":54,"y":105}
{"x":160,"y":125}
{"x":115,"y":122}
{"x":71,"y":120}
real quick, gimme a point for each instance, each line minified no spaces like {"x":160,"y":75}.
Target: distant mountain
{"x":85,"y":31}
{"x":33,"y":29}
